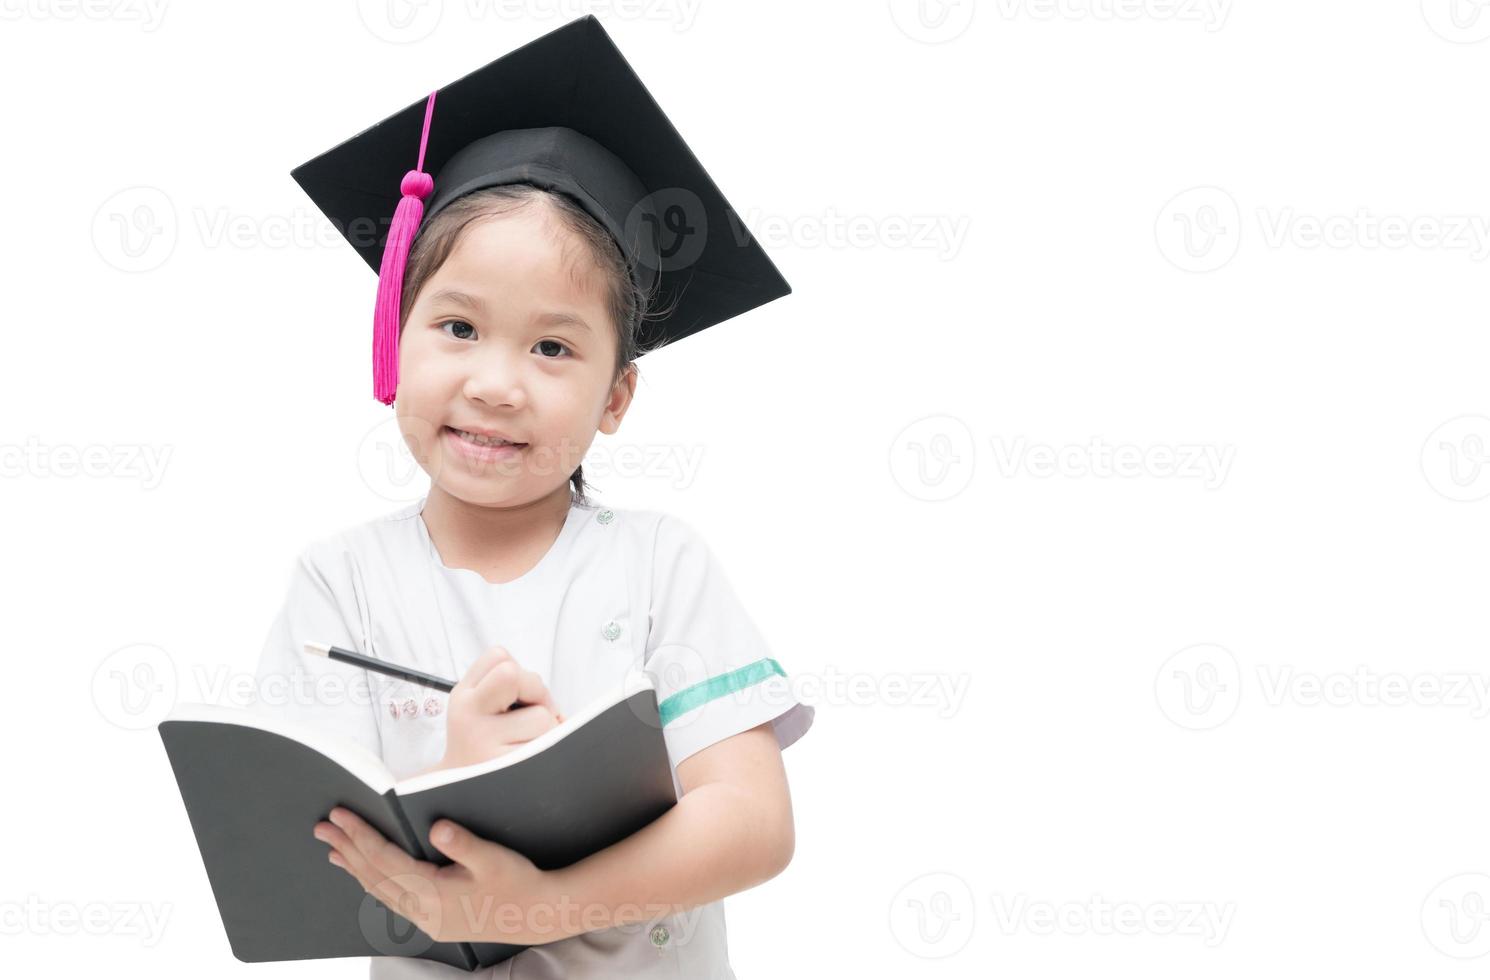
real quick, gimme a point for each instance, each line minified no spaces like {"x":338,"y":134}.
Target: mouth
{"x":480,"y":442}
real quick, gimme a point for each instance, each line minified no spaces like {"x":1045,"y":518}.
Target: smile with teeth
{"x":483,"y":440}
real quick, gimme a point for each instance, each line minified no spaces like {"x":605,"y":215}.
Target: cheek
{"x":570,"y":398}
{"x":423,"y":380}
{"x":421,"y":368}
{"x":410,"y":347}
{"x":420,"y":435}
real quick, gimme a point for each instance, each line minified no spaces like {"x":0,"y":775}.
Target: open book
{"x":255,"y":785}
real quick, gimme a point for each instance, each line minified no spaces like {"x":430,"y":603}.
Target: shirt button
{"x":612,"y":630}
{"x":431,"y":706}
{"x":605,"y":516}
{"x":411,"y":708}
{"x":659,"y":935}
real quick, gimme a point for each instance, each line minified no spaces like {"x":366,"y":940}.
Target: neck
{"x":465,"y":532}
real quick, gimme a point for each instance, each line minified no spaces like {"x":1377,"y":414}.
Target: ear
{"x":621,"y":394}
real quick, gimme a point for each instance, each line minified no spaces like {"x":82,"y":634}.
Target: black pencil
{"x":381,"y":666}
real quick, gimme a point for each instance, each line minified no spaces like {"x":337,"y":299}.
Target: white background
{"x":1253,"y":691}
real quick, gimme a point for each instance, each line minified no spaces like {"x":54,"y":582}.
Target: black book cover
{"x":255,"y":785}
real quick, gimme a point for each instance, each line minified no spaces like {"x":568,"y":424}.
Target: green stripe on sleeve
{"x":717,"y":687}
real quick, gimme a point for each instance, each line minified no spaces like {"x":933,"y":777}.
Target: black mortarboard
{"x":567,"y":113}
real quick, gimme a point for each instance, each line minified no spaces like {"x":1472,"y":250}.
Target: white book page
{"x":440,"y":777}
{"x":369,"y":768}
{"x":346,"y":753}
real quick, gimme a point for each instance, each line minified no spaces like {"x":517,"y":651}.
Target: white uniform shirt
{"x":619,"y":591}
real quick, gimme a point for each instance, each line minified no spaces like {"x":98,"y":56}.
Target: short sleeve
{"x":325,"y":693}
{"x":715,"y":676}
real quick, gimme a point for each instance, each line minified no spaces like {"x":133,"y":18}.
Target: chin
{"x":474,"y":489}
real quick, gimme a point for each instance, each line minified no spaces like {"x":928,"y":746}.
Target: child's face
{"x":512,"y":335}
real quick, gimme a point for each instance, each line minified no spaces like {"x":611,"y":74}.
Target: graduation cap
{"x":564,"y":112}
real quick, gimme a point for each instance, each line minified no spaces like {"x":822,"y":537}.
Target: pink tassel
{"x":415,"y":187}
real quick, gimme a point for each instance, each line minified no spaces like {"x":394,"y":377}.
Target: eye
{"x":555,"y":343}
{"x":458,"y":324}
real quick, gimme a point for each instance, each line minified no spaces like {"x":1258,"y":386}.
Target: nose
{"x":496,"y":380}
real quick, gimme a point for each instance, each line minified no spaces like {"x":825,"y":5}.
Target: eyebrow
{"x":449,"y":295}
{"x":459,"y":298}
{"x":563,"y":319}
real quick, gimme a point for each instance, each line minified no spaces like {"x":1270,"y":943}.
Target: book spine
{"x":416,"y":845}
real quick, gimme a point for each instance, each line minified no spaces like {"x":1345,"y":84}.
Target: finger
{"x":460,"y":845}
{"x":498,"y":689}
{"x":506,"y":685}
{"x":340,"y":860}
{"x":393,"y":891}
{"x":532,"y":690}
{"x":483,"y":664}
{"x":524,"y":724}
{"x":419,"y":900}
{"x":378,"y":851}
{"x":346,"y":856}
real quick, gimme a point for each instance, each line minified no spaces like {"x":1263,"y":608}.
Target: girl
{"x":511,"y":313}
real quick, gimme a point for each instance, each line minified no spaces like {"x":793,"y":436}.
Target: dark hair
{"x":629,"y":306}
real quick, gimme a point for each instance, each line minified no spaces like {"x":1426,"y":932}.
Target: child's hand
{"x":483,"y":722}
{"x":489,"y":894}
